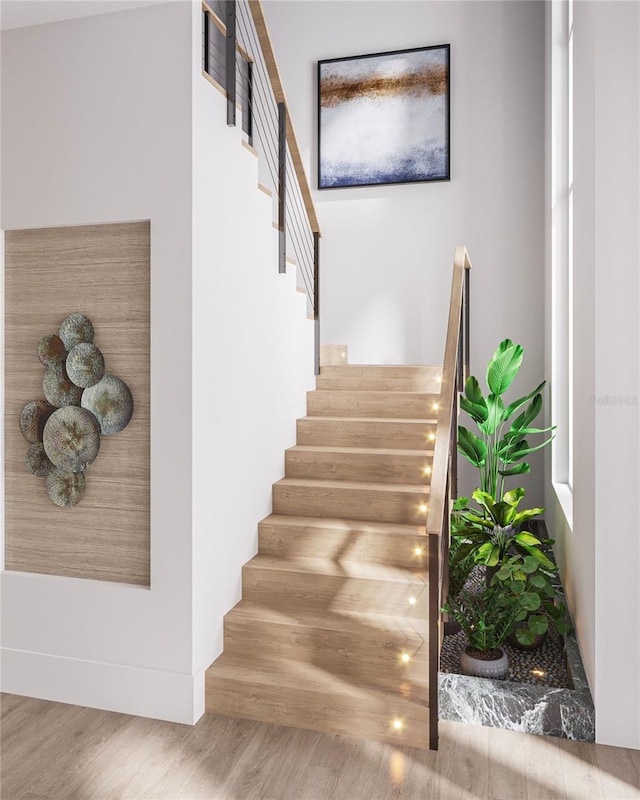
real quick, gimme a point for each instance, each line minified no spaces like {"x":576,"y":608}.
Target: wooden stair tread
{"x":349,"y":525}
{"x":297,"y":676}
{"x":343,"y":569}
{"x":316,"y":620}
{"x":374,"y":451}
{"x":361,"y":485}
{"x":379,"y":420}
{"x":428,"y":369}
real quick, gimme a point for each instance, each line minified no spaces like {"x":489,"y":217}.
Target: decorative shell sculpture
{"x":82,"y":403}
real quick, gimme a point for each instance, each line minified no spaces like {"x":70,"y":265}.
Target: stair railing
{"x":235,"y":33}
{"x":444,"y":473}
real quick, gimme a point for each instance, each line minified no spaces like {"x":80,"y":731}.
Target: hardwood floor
{"x":51,"y":751}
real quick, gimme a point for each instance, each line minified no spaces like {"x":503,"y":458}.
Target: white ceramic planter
{"x":496,"y":668}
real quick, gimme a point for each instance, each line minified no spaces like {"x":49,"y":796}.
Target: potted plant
{"x":487,"y":619}
{"x":490,"y":533}
{"x":499,"y":448}
{"x":540,"y":606}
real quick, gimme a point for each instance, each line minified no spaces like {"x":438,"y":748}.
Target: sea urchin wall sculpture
{"x":82,"y":403}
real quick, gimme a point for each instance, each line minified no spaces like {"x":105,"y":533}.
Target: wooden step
{"x":378,"y":502}
{"x":306,"y":696}
{"x":343,"y":587}
{"x":406,"y":434}
{"x":365,"y":377}
{"x":373,"y":650}
{"x":333,"y":355}
{"x":395,"y":405}
{"x":285,"y":536}
{"x":359,"y":464}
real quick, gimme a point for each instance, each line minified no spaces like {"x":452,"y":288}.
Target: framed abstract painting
{"x":384,"y":118}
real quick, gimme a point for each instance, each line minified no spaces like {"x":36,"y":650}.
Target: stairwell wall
{"x":387,"y":251}
{"x":108,"y":118}
{"x":597,"y":538}
{"x":252,"y":359}
{"x":95,"y":130}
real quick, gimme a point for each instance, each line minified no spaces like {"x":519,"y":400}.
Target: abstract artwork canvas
{"x":384,"y":118}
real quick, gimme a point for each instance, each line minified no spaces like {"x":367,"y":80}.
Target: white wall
{"x":387,"y":252}
{"x":252,"y":355}
{"x":108,"y":118}
{"x":599,"y":548}
{"x":95,"y":130}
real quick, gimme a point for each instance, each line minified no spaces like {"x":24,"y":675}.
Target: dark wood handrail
{"x":262,"y":30}
{"x":448,"y":387}
{"x":455,"y":369}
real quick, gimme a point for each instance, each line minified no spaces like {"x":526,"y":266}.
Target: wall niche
{"x":77,"y":362}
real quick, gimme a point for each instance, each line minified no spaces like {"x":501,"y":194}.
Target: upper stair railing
{"x":238,"y":58}
{"x":444,"y":473}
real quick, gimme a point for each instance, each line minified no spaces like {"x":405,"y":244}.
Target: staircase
{"x":331,"y":633}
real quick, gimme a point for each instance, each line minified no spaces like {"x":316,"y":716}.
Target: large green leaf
{"x":539,"y":581}
{"x":516,"y":455}
{"x":519,"y":469}
{"x":527,"y":538}
{"x":475,"y":519}
{"x":530,"y":600}
{"x":477,"y":412}
{"x":538,"y":624}
{"x":471,"y":447}
{"x":514,"y":496}
{"x":504,"y":366}
{"x":484,"y":499}
{"x":529,"y":513}
{"x":505,"y":448}
{"x":539,"y":555}
{"x":473,"y":392}
{"x":488,"y":554}
{"x":529,"y":414}
{"x":512,"y":436}
{"x":495,"y":408}
{"x":517,"y":404}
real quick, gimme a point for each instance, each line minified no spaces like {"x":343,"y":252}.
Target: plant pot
{"x":451,"y":627}
{"x":486,"y":667}
{"x":537,"y":642}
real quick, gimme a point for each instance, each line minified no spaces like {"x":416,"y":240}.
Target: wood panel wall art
{"x":102,"y":271}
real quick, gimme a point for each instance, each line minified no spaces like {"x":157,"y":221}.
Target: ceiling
{"x":21,"y":13}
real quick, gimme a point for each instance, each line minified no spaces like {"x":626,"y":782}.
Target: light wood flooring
{"x":51,"y":751}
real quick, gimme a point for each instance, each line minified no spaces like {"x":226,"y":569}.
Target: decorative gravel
{"x":545,"y":666}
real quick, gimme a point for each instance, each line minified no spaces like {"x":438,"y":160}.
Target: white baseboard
{"x":150,"y":693}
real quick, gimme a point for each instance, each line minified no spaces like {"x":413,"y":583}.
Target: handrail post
{"x":465,"y":324}
{"x":282,"y":187}
{"x":230,"y":60}
{"x":316,"y":300}
{"x":205,"y":33}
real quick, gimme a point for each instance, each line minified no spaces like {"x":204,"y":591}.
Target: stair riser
{"x":379,"y":379}
{"x":371,"y":658}
{"x":360,"y":433}
{"x":360,"y":546}
{"x":396,"y":405}
{"x":347,"y":503}
{"x":287,"y":590}
{"x":363,"y":716}
{"x":333,"y":355}
{"x":368,"y":467}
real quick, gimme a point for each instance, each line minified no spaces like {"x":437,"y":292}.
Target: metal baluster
{"x":230,"y":60}
{"x":282,"y":186}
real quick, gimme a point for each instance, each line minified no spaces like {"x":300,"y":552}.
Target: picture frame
{"x":384,"y":118}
